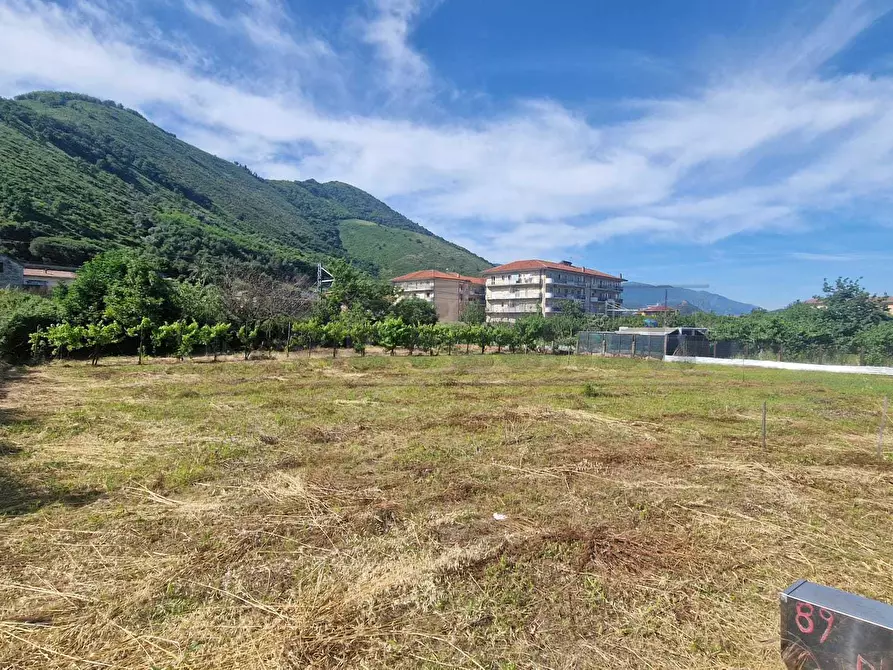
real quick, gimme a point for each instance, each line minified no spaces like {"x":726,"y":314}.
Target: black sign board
{"x":828,"y":629}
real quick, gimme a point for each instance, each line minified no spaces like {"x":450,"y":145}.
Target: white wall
{"x":778,"y":365}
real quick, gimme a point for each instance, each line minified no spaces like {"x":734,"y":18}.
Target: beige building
{"x":450,"y":292}
{"x":31,"y":277}
{"x":527,"y":287}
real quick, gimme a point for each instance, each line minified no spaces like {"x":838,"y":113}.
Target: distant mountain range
{"x":637,"y":295}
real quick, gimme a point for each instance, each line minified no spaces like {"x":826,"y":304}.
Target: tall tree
{"x":119,"y":285}
{"x":850,"y":308}
{"x":415,"y":311}
{"x":354,"y":289}
{"x":474,"y":313}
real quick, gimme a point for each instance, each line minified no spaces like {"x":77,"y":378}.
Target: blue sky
{"x":747,"y":144}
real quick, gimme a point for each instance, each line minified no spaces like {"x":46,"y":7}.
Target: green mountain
{"x":399,"y":251}
{"x":79,"y":175}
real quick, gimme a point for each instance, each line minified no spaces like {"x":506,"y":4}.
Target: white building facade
{"x":521,"y":288}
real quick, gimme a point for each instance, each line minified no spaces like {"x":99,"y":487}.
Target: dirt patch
{"x":334,"y":434}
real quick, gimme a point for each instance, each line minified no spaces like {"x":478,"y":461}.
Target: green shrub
{"x":62,"y":250}
{"x":20,"y":315}
{"x":591,"y":391}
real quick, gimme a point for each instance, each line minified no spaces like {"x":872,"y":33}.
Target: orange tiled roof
{"x":520,"y":266}
{"x":44,"y":273}
{"x":437,"y":274}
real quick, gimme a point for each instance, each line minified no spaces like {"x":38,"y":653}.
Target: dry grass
{"x":319,"y":513}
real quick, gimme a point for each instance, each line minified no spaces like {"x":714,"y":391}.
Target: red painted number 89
{"x":806,"y":623}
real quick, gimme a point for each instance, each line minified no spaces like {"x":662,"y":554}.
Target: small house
{"x":32,"y":276}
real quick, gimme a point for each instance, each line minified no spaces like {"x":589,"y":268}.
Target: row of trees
{"x":126,"y":294}
{"x":530,"y":334}
{"x":182,"y":339}
{"x":847,"y":321}
{"x":121,"y":302}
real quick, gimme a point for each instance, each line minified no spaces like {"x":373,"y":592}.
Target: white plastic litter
{"x":499,"y":517}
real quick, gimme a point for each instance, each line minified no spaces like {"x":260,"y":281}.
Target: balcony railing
{"x":426,"y":286}
{"x":585,"y":282}
{"x":517,"y":295}
{"x":560,"y":298}
{"x":513,"y":309}
{"x":523,"y":280}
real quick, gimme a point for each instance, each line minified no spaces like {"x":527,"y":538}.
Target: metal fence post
{"x":764,"y":424}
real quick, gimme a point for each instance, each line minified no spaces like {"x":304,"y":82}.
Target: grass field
{"x":320,"y":513}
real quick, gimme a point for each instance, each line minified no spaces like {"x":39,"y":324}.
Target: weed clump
{"x":592,"y":391}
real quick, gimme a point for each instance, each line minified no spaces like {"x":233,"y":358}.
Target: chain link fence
{"x":621,"y":344}
{"x":675,"y":344}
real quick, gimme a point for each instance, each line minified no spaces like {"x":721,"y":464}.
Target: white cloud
{"x":388,"y":30}
{"x":846,"y":21}
{"x":207,"y":11}
{"x":824,"y":258}
{"x":754,"y":151}
{"x":280,"y":47}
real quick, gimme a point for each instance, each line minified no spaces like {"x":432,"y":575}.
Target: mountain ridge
{"x":638,"y":294}
{"x":79,"y":175}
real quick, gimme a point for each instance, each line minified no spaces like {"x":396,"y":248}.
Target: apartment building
{"x":450,"y":292}
{"x":527,"y":287}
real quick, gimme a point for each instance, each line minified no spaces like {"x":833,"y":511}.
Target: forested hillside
{"x":79,"y":175}
{"x":398,"y":251}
